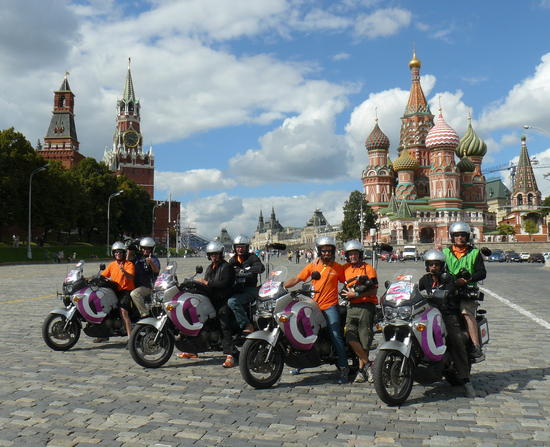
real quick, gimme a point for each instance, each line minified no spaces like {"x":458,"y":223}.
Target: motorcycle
{"x":414,"y":346}
{"x":293,"y":332}
{"x":91,"y":302}
{"x":186,"y":319}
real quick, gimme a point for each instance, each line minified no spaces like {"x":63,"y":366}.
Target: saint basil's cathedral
{"x":420,"y":194}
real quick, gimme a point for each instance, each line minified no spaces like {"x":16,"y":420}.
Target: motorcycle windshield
{"x":403,"y":291}
{"x":167,"y":277}
{"x":75,"y":274}
{"x":274,"y":283}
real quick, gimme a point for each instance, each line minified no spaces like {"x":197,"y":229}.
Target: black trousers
{"x":456,"y":342}
{"x":227,"y":324}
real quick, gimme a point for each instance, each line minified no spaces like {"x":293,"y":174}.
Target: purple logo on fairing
{"x":184,"y":315}
{"x":90,"y":306}
{"x":433,"y":342}
{"x":298,"y":329}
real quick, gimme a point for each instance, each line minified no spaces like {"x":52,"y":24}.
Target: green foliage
{"x":530,"y":226}
{"x":506,"y":229}
{"x":545,"y":205}
{"x":351,"y":228}
{"x":64,"y":200}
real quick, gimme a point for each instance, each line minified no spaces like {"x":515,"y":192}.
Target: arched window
{"x":131,"y":108}
{"x":529,"y":199}
{"x":121,"y":107}
{"x":61,"y":102}
{"x":520,"y":199}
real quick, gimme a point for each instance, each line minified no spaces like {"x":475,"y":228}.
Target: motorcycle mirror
{"x":316,"y":276}
{"x":198,"y":269}
{"x":101,"y":267}
{"x":387,"y":284}
{"x":486,"y":251}
{"x":386,"y":247}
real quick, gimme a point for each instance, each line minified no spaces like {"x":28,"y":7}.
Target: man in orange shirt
{"x":362,"y":306}
{"x":122,"y":272}
{"x":327,"y":298}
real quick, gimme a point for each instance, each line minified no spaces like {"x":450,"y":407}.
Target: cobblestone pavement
{"x":95,"y":395}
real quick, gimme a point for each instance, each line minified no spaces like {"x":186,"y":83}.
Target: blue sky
{"x":250,"y":105}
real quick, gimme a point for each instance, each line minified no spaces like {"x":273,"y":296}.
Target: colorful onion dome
{"x":470,"y":144}
{"x":466,"y":165}
{"x":377,"y":139}
{"x":414,"y":62}
{"x":441,"y":135}
{"x":405,"y":162}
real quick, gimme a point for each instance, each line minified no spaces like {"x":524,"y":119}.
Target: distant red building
{"x":61,"y":143}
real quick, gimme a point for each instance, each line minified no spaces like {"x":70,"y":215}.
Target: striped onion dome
{"x":377,"y":139}
{"x":405,"y":162}
{"x":441,"y":135}
{"x":466,"y":165}
{"x":470,"y":144}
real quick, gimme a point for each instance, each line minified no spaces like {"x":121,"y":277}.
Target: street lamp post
{"x":40,"y":169}
{"x":156,"y":205}
{"x":109,"y":216}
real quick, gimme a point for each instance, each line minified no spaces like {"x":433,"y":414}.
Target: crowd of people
{"x":232,"y":285}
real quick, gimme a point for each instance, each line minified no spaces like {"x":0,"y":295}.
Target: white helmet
{"x":118,"y":246}
{"x":241,"y":239}
{"x":147,"y":242}
{"x":325,"y":240}
{"x":214,"y":247}
{"x":459,"y":227}
{"x":434,"y":255}
{"x":351,"y":246}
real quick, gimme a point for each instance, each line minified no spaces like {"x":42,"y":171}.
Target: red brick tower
{"x":415,"y":125}
{"x":127,"y":156}
{"x":61,"y":143}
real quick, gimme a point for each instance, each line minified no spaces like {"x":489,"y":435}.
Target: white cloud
{"x":240,"y":215}
{"x":341,"y":56}
{"x":526,"y":103}
{"x":303,"y":148}
{"x":382,"y":23}
{"x":192,"y":181}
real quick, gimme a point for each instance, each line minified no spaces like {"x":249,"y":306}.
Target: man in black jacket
{"x":435,"y":263}
{"x":247,"y":268}
{"x":219,"y":278}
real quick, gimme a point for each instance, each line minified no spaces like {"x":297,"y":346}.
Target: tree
{"x":530,"y":226}
{"x":351,"y":228}
{"x":545,"y":205}
{"x":506,"y":229}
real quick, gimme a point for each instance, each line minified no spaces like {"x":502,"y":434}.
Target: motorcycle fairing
{"x":67,"y":313}
{"x":189,"y":312}
{"x":404,"y":347}
{"x":95,"y":304}
{"x":157,"y":323}
{"x":432,"y":339}
{"x":304,"y":322}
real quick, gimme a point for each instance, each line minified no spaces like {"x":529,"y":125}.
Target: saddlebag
{"x":483,"y":328}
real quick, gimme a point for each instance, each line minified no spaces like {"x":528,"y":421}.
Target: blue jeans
{"x":238,"y":303}
{"x":332,"y":315}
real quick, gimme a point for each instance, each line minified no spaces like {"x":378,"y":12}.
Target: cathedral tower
{"x":127,"y":156}
{"x":526,"y":192}
{"x":61,"y":143}
{"x":415,"y":125}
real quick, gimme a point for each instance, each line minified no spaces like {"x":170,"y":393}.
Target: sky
{"x":250,"y":105}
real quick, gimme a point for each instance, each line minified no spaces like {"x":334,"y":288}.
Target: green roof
{"x":495,"y":189}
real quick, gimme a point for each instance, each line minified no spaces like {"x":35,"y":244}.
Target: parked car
{"x":524,"y":256}
{"x":512,"y":256}
{"x":409,"y":252}
{"x":497,"y":256}
{"x":536,"y":257}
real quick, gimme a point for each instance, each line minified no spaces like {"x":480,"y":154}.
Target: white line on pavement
{"x":517,"y":308}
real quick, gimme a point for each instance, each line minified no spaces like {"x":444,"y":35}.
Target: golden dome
{"x":414,"y":62}
{"x":405,"y":162}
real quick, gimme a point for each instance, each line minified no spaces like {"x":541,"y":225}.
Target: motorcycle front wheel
{"x":149,"y":350}
{"x":392,"y":377}
{"x":256,"y":370}
{"x":56,"y":335}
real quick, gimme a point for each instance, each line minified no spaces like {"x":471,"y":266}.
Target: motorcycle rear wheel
{"x":145,"y":350}
{"x":54,"y":334}
{"x":392,"y":387}
{"x":255,"y":370}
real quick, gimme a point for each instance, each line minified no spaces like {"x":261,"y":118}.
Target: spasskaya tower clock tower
{"x":127,"y":156}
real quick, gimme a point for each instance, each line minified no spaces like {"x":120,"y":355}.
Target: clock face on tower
{"x":131,"y":138}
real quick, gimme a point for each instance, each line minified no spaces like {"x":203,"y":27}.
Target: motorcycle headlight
{"x":266,"y":306}
{"x":404,"y":312}
{"x":158,"y":296}
{"x":390,"y":313}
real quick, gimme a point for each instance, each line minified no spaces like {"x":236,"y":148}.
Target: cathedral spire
{"x":129,"y":94}
{"x":417,"y":101}
{"x":525,"y":181}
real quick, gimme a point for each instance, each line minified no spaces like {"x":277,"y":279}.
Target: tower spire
{"x":129,"y":94}
{"x":525,"y":181}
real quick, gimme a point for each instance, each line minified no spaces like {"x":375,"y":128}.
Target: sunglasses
{"x":460,"y":234}
{"x":327,"y":250}
{"x":119,"y":252}
{"x":429,"y":264}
